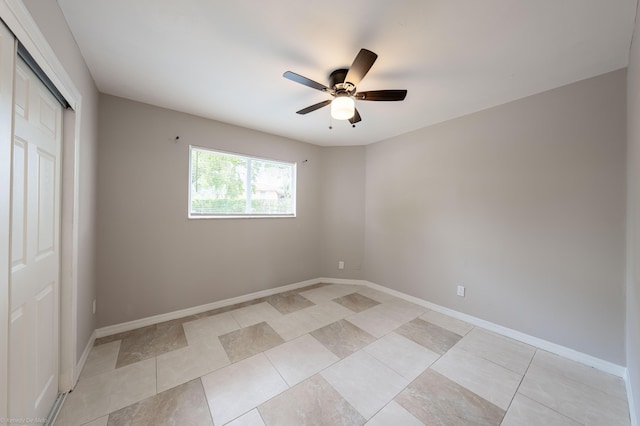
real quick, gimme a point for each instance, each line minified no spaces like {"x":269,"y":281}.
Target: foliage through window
{"x":224,"y":184}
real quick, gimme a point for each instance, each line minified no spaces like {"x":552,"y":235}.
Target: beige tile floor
{"x":333,"y":355}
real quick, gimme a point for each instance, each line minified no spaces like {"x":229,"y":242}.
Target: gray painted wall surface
{"x":342,"y":206}
{"x":53,"y":25}
{"x":524,"y":204}
{"x":152,"y":258}
{"x":633,"y":216}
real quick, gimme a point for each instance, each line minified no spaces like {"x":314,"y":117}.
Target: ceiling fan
{"x":343,"y":87}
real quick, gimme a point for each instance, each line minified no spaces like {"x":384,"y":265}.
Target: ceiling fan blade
{"x":356,"y":117}
{"x":360,"y":66}
{"x":382,"y":95}
{"x":305,"y":81}
{"x":314,"y":107}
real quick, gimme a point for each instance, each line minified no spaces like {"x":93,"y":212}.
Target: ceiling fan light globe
{"x":342,"y":108}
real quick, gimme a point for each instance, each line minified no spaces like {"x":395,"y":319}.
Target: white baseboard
{"x":569,"y":353}
{"x":83,"y":359}
{"x":345,"y":281}
{"x":555,"y":348}
{"x":143,"y":322}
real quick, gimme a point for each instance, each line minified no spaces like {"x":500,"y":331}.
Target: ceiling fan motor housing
{"x":337,"y":83}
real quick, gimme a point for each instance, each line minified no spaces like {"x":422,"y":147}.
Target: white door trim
{"x":17,"y":18}
{"x":7,"y":59}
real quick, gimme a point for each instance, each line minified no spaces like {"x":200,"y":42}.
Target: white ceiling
{"x":224,"y":59}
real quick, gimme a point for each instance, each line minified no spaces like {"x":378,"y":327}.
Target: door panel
{"x":18,"y":204}
{"x":21,"y":94}
{"x":47,"y":117}
{"x":35,"y":248}
{"x":18,"y":369}
{"x":46,"y":205}
{"x":45,"y":309}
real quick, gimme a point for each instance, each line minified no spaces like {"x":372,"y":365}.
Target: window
{"x":232,"y":185}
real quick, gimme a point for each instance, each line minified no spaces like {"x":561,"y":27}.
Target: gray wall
{"x":342,"y":207}
{"x":152,"y":259}
{"x":52,"y":24}
{"x":524,"y":204}
{"x":633,"y":216}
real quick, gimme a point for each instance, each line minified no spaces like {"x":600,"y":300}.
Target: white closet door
{"x":7,"y":57}
{"x":35,"y":248}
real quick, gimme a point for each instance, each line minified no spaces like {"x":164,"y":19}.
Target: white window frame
{"x":293,"y":166}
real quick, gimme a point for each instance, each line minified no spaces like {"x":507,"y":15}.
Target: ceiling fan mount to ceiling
{"x":337,"y":82}
{"x":343,"y":88}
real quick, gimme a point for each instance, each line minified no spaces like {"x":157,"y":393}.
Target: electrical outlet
{"x":341,"y":265}
{"x":94,"y":306}
{"x":461,"y":291}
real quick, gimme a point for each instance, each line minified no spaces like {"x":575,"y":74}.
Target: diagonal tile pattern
{"x":429,"y":335}
{"x":394,"y":414}
{"x":434,"y":399}
{"x":156,"y":341}
{"x":386,"y":317}
{"x":525,"y":411}
{"x":240,"y":387}
{"x":288,"y":303}
{"x":300,"y":358}
{"x":505,"y":352}
{"x":572,"y":397}
{"x":365,"y":382}
{"x":102,"y":359}
{"x":342,"y":338}
{"x":183,"y":405}
{"x":255,"y":314}
{"x":356,"y":302}
{"x":333,"y":354}
{"x":251,"y":418}
{"x":248,"y":341}
{"x":455,"y":325}
{"x":492,"y":382}
{"x":402,"y":355}
{"x":182,"y":365}
{"x":313,"y":401}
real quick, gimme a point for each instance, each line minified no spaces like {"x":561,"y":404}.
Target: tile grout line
{"x":493,"y":362}
{"x":533,"y":399}
{"x":362,"y":349}
{"x":308,"y":333}
{"x":588,"y":385}
{"x":520,"y":383}
{"x":277,"y":371}
{"x":338,"y":392}
{"x":274,"y":367}
{"x":416,"y":378}
{"x":552,"y":409}
{"x":260,"y":414}
{"x":206,"y":399}
{"x":341,"y":359}
{"x":566,"y":378}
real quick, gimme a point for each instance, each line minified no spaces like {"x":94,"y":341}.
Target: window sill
{"x":245,"y":216}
